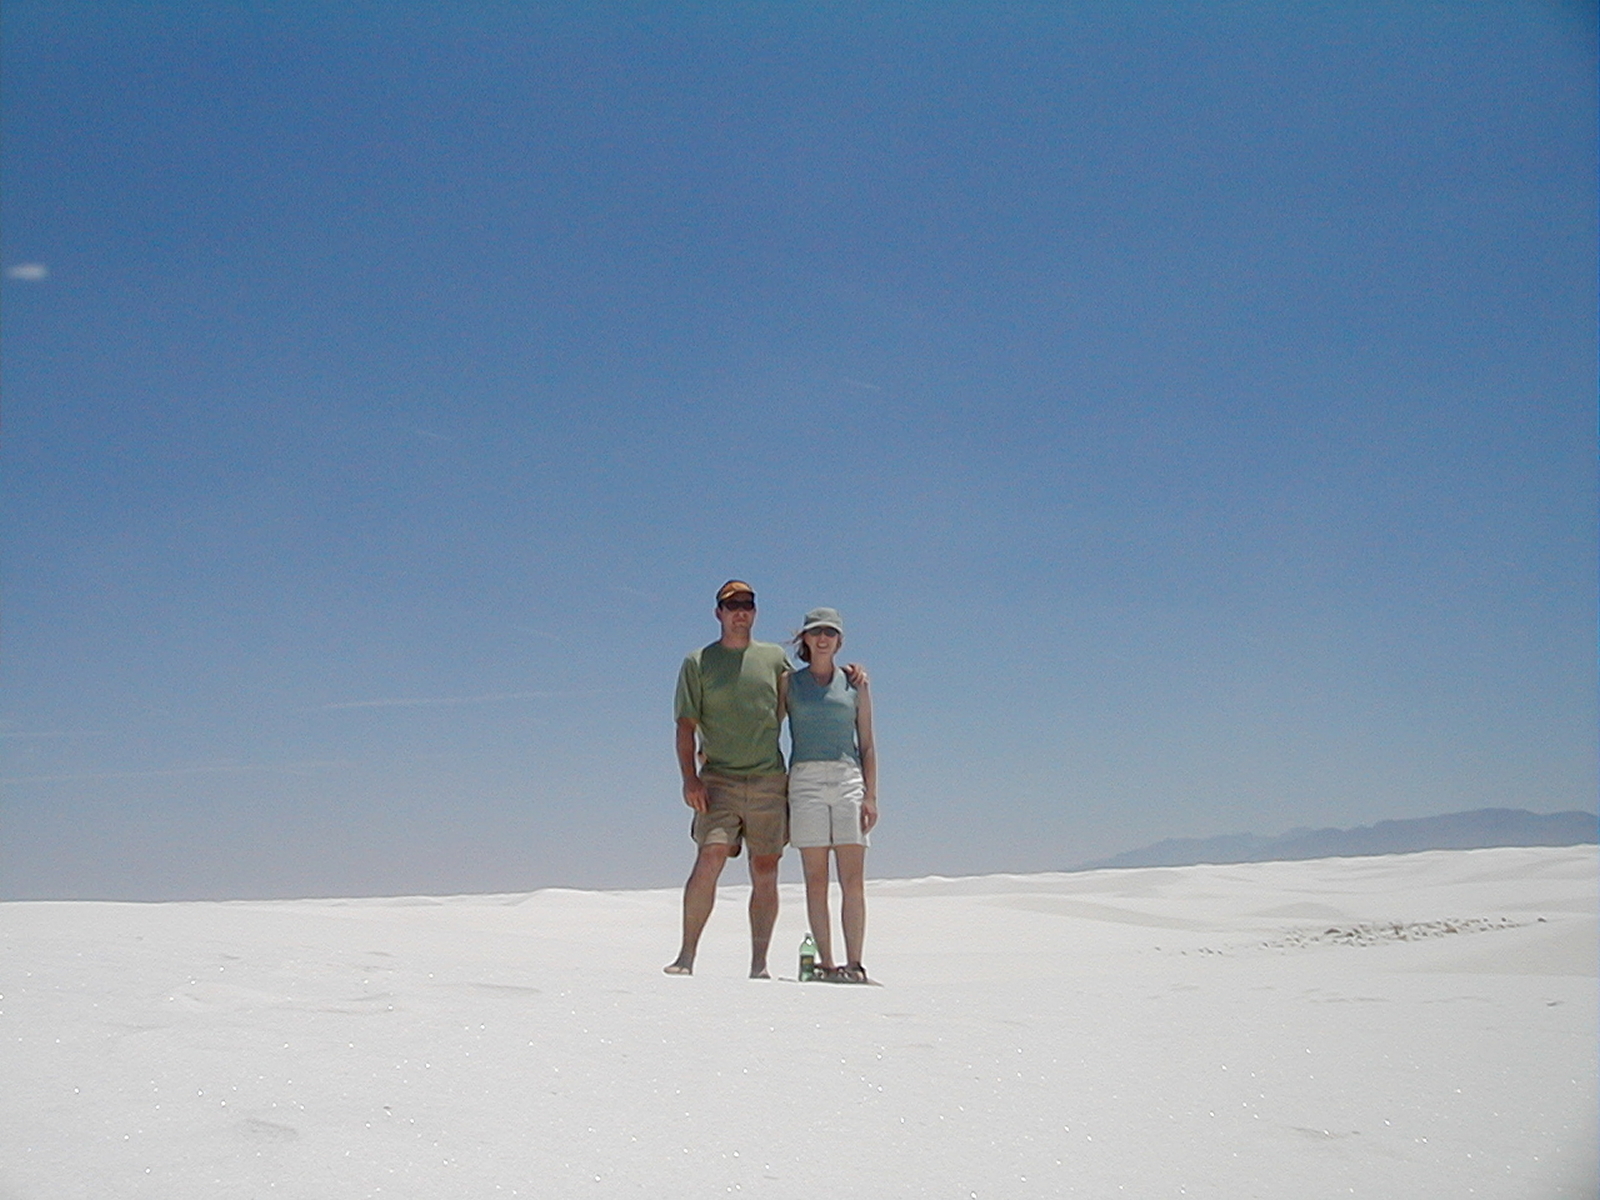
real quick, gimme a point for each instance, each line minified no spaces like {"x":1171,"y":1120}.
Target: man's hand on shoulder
{"x":857,"y":675}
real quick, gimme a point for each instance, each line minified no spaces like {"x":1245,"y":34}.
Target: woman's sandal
{"x":854,"y":973}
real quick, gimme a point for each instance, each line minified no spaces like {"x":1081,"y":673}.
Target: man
{"x":729,"y":708}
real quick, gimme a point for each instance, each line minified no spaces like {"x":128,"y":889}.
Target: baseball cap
{"x":822,"y":618}
{"x":735,"y":587}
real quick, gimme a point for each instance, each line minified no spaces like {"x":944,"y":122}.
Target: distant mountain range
{"x":1453,"y":831}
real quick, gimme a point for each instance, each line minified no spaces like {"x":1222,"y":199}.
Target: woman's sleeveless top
{"x":822,"y":720}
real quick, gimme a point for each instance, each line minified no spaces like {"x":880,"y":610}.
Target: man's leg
{"x":815,"y":861}
{"x":853,"y":899}
{"x":699,"y":897}
{"x":763,"y":909}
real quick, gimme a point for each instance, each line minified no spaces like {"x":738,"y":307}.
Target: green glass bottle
{"x":808,"y":958}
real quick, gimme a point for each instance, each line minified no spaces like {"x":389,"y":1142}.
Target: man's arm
{"x":694,"y":788}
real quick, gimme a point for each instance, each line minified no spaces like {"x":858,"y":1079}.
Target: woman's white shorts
{"x":825,"y":804}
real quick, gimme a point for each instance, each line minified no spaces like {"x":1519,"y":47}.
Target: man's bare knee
{"x":764,"y":867}
{"x":710,"y":861}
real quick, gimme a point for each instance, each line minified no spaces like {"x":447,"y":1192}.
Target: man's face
{"x":737,"y":614}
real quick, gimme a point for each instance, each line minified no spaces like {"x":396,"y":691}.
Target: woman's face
{"x":822,"y":641}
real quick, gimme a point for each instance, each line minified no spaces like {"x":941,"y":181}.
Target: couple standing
{"x":732,"y":698}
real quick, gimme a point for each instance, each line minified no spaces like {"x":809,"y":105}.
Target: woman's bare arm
{"x":869,"y":755}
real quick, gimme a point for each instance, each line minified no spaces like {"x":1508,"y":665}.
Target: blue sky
{"x":1191,"y":408}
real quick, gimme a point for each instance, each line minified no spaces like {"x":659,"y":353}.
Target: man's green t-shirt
{"x":732,"y":695}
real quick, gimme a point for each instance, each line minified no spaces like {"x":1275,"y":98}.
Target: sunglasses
{"x":739,"y":605}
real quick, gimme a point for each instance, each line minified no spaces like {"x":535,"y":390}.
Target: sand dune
{"x":1409,"y":1026}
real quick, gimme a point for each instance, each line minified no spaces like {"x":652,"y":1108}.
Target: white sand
{"x":1189,"y":1031}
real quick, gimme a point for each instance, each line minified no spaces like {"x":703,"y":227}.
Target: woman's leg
{"x":853,"y":899}
{"x":815,"y":861}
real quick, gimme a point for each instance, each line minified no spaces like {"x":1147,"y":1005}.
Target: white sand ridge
{"x":1041,"y":1035}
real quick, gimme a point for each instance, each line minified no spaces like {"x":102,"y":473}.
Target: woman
{"x":833,"y":786}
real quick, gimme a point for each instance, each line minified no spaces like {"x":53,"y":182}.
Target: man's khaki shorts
{"x":749,"y":808}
